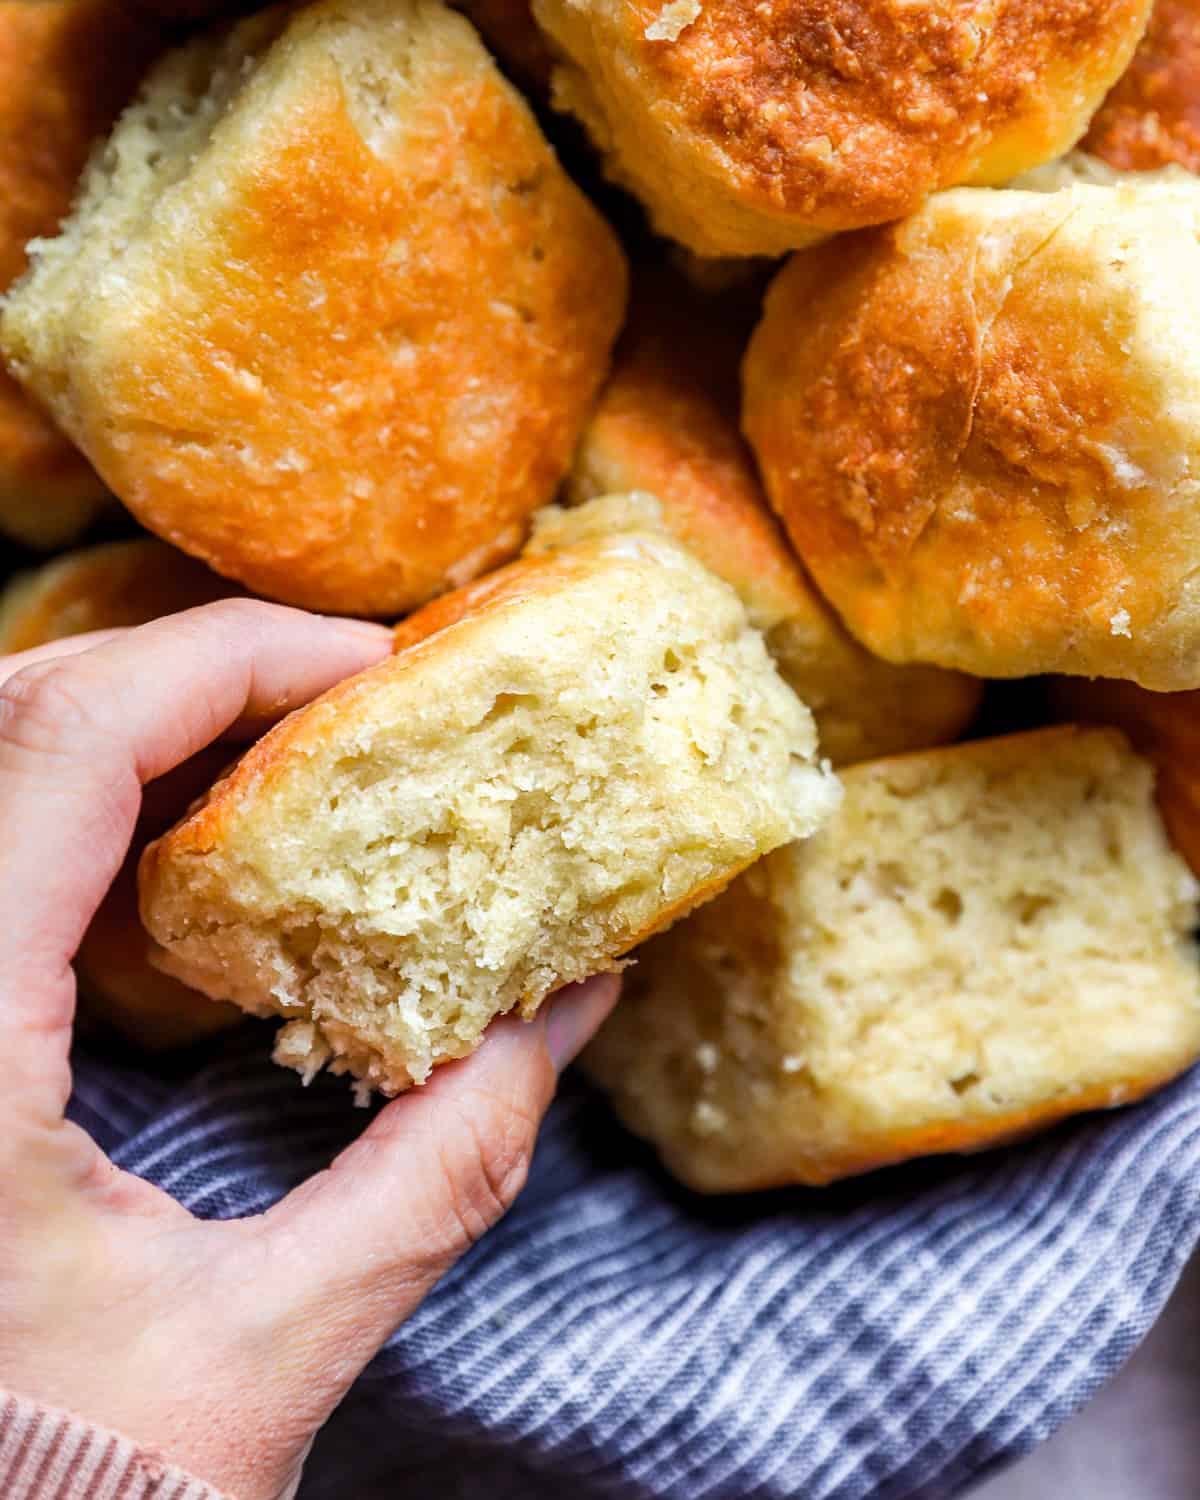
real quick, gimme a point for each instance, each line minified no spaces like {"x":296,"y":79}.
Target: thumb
{"x":361,"y":1244}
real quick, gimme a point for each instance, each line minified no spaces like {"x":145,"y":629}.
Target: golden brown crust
{"x":1165,"y":727}
{"x":104,"y":588}
{"x":377,"y":342}
{"x":65,"y":70}
{"x":963,"y":1137}
{"x":518,"y":580}
{"x":747,"y":127}
{"x":968,"y":486}
{"x":1151,"y":117}
{"x":666,"y":423}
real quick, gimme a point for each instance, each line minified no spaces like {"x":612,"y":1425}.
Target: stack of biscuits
{"x":713,"y":473}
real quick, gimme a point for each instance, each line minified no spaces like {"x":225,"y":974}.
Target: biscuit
{"x":666,"y":424}
{"x":981,"y":428}
{"x":560,"y":760}
{"x":65,"y":70}
{"x":755,"y":128}
{"x":1164,"y":727}
{"x":1151,"y":117}
{"x":984,"y":939}
{"x":103,"y":588}
{"x":329,"y":314}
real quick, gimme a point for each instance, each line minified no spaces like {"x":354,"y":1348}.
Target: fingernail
{"x":576,"y":1014}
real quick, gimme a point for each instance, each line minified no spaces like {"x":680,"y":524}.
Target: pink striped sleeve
{"x":50,"y":1455}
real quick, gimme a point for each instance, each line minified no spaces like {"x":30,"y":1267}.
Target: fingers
{"x":360,"y":1245}
{"x":79,"y":735}
{"x":70,"y":645}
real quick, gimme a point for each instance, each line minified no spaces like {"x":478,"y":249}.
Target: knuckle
{"x":485,"y":1162}
{"x":239,"y":614}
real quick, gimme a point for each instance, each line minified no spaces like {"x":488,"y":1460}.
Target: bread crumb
{"x":707,"y":1057}
{"x":1119,"y":623}
{"x":674,"y":18}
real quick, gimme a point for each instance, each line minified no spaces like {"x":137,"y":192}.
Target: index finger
{"x":69,"y":645}
{"x":79,"y":736}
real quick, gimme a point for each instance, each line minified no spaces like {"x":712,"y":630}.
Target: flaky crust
{"x":65,"y":71}
{"x":103,"y":588}
{"x":752,"y":128}
{"x":981,"y":428}
{"x":1151,"y":117}
{"x":666,"y":423}
{"x":350,"y":350}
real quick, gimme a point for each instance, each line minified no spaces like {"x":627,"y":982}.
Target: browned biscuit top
{"x":1151,"y":118}
{"x":816,"y":116}
{"x":103,"y":588}
{"x":980,"y":427}
{"x":66,"y":68}
{"x":340,"y":345}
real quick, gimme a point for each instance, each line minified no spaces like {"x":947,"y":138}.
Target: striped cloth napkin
{"x":617,"y":1337}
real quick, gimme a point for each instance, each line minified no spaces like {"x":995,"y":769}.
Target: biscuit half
{"x":1165,"y":727}
{"x":984,"y":939}
{"x":561,"y":759}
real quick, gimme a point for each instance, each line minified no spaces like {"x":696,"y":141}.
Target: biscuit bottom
{"x":984,"y":939}
{"x":595,"y":743}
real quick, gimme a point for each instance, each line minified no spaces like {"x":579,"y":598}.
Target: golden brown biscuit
{"x":666,"y":424}
{"x":1151,"y":118}
{"x":103,"y":588}
{"x":329,"y":314}
{"x":981,"y":428}
{"x":560,"y":762}
{"x":752,"y":128}
{"x":66,"y":68}
{"x":984,"y":939}
{"x":1165,"y":727}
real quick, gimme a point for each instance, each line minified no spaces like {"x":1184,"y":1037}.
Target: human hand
{"x":223,"y":1345}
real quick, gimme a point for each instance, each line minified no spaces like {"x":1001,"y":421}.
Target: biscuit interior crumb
{"x":984,"y":938}
{"x":504,"y":808}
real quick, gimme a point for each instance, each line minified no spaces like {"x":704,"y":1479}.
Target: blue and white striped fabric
{"x":616,"y":1337}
